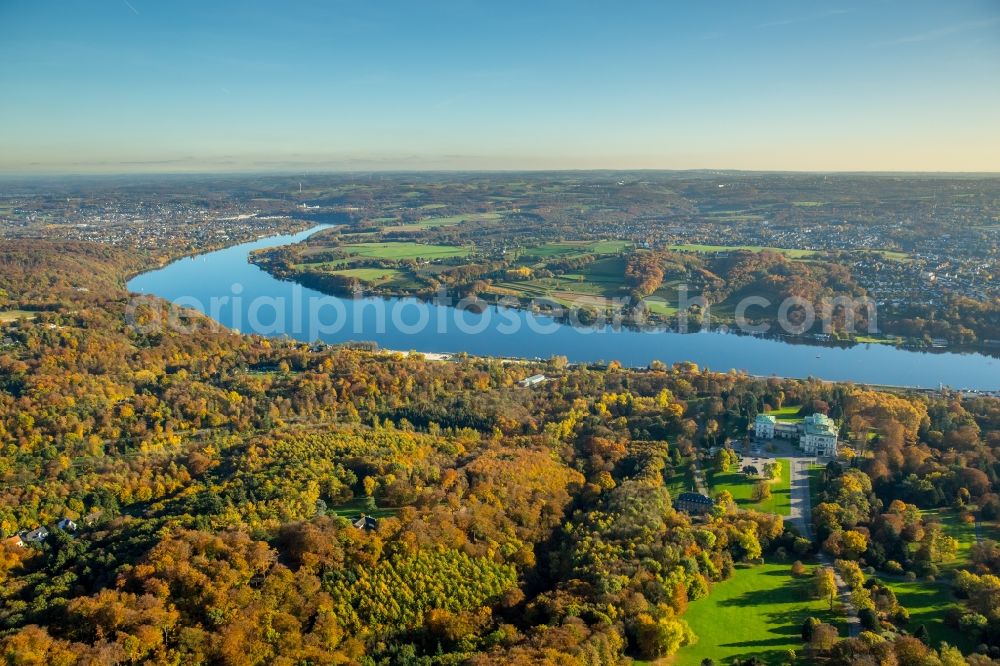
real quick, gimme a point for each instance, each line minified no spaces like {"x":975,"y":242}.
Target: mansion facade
{"x":816,"y":434}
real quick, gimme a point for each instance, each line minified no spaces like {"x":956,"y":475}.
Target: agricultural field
{"x":400,"y":251}
{"x":594,"y":286}
{"x":371,"y":274}
{"x":575,"y":248}
{"x":447,"y":221}
{"x":741,"y":488}
{"x":758,"y":612}
{"x":791,"y":253}
{"x":712,"y":249}
{"x":349,"y":260}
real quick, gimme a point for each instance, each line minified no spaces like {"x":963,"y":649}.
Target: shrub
{"x":953,"y":615}
{"x":869,"y":619}
{"x":824,"y":637}
{"x":972,"y":623}
{"x":807,"y":628}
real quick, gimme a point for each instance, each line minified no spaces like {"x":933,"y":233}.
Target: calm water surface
{"x":242,"y":296}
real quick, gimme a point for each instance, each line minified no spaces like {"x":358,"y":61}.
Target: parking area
{"x":759,"y":451}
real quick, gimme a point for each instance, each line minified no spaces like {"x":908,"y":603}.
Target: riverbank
{"x":386,"y":270}
{"x":240,"y":295}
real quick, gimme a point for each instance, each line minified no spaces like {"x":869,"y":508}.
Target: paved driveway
{"x":801,"y":517}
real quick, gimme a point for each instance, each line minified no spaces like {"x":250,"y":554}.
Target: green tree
{"x":662,"y":637}
{"x":825,"y":584}
{"x":807,"y":628}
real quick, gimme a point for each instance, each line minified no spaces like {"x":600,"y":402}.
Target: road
{"x":801,"y":514}
{"x":699,"y":479}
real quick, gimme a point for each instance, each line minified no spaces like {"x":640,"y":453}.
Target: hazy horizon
{"x":132,"y":86}
{"x":11,"y":175}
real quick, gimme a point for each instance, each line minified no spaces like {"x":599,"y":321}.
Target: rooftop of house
{"x":766,"y":418}
{"x":820,"y":424}
{"x":366,"y":522}
{"x":37,"y":534}
{"x":695,"y":498}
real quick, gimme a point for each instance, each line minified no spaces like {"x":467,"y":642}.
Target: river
{"x":240,"y":295}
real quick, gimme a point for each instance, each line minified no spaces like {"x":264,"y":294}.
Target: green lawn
{"x":814,"y":484}
{"x":741,"y":488}
{"x":404,"y":250}
{"x":681,"y":481}
{"x":659,"y":306}
{"x":953,"y":526}
{"x":789,"y":413}
{"x":926,"y":603}
{"x":758,"y":612}
{"x":872,"y":340}
{"x":356,"y":507}
{"x":891,"y":255}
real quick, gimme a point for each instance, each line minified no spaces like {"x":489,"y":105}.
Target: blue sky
{"x":125,"y":85}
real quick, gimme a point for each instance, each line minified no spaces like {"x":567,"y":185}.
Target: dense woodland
{"x":208,"y":475}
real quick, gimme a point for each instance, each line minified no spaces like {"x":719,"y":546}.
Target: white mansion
{"x":817,"y":433}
